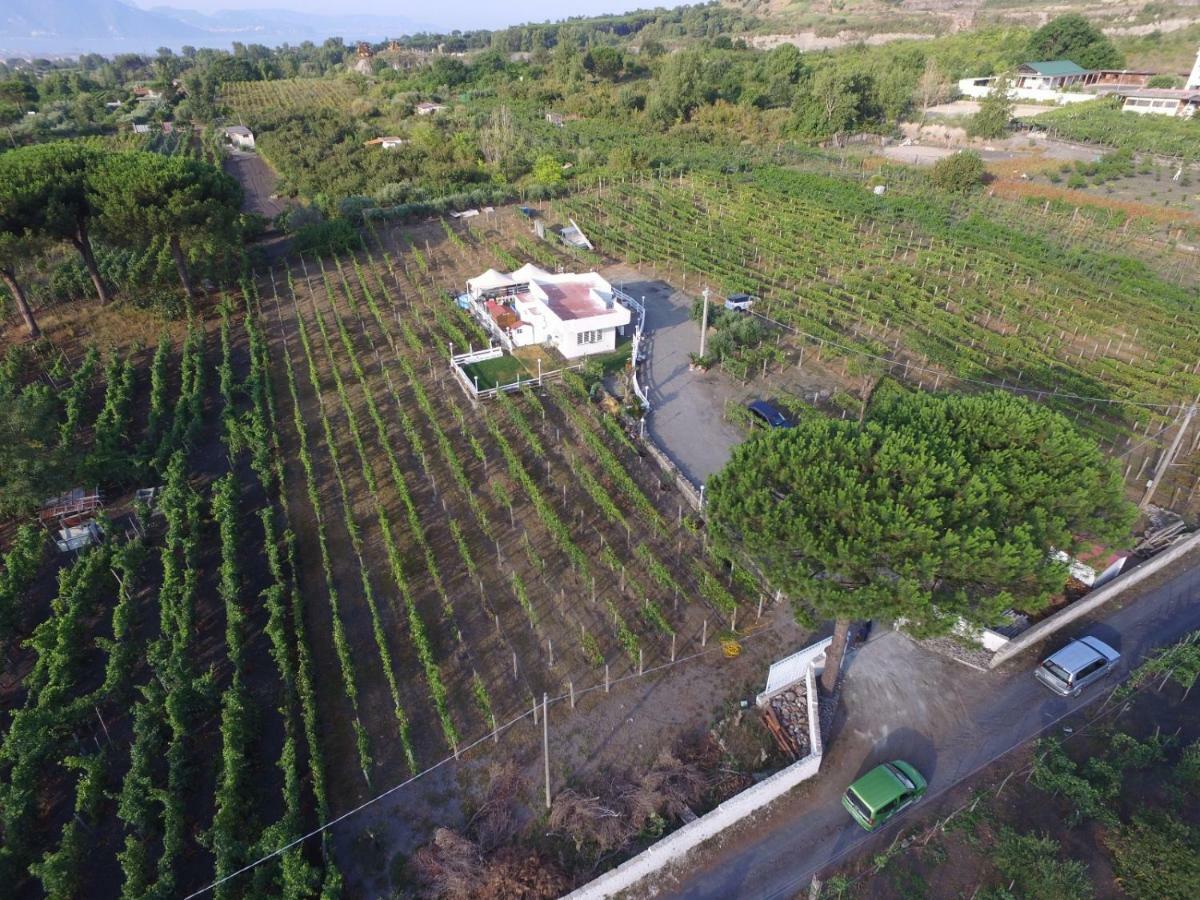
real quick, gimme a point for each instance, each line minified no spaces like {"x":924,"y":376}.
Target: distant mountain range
{"x":69,"y":27}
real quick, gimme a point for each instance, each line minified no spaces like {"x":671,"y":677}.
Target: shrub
{"x":1156,"y":856}
{"x":1163,"y":81}
{"x":995,"y":112}
{"x":1033,"y":864}
{"x":958,"y":174}
{"x":1187,"y":770}
{"x":1056,"y":773}
{"x":334,"y":236}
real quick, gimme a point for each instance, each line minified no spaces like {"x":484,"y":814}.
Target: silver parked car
{"x":1077,"y":665}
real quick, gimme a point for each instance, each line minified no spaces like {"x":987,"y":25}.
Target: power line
{"x":1145,"y":440}
{"x":490,"y":735}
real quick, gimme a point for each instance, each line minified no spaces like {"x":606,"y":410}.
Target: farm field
{"x":250,"y":100}
{"x":168,"y":667}
{"x":1029,"y":296}
{"x":352,"y":574}
{"x":509,"y":544}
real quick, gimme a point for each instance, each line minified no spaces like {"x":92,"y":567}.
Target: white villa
{"x":1047,"y":80}
{"x":578,"y":314}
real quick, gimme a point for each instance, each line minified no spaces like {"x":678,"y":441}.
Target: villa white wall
{"x":569,"y":346}
{"x":968,"y":88}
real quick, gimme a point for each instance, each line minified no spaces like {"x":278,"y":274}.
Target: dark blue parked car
{"x":769,"y":414}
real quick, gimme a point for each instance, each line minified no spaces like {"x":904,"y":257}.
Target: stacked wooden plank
{"x":786,"y":717}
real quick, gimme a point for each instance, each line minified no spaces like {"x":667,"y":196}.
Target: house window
{"x":588,"y":337}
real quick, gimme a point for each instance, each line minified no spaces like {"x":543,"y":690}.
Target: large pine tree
{"x":931,"y":508}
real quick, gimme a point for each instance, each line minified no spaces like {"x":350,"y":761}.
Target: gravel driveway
{"x":685,"y":406}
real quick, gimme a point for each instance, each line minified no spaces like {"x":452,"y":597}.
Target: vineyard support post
{"x":704,"y":634}
{"x":606,"y":678}
{"x":546,"y":744}
{"x":102,"y":724}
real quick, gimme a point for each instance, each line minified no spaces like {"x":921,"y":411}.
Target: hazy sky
{"x":444,"y":14}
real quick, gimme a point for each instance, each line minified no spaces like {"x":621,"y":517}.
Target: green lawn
{"x":494,"y":372}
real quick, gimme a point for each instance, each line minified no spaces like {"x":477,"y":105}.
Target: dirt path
{"x":258,"y":182}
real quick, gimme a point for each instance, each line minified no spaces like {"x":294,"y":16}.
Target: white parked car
{"x":739,"y":302}
{"x":1077,"y":665}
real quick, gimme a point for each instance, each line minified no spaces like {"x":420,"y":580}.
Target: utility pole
{"x":704,"y":323}
{"x":1161,"y":469}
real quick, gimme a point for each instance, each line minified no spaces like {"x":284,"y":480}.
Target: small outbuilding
{"x":240,"y":136}
{"x":1053,"y":75}
{"x":387,"y":143}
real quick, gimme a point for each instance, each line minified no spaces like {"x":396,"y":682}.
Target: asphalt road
{"x":899,"y":700}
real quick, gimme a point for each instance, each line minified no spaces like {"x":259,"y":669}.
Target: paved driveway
{"x":951,"y":721}
{"x":685,"y":406}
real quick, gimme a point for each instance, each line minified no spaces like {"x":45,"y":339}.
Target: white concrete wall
{"x":568,"y":345}
{"x":787,"y":671}
{"x":1096,"y":598}
{"x":984,"y":637}
{"x":1157,"y":107}
{"x":1150,"y":110}
{"x":675,"y":845}
{"x":968,"y":88}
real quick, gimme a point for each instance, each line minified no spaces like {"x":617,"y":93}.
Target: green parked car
{"x":883,"y":792}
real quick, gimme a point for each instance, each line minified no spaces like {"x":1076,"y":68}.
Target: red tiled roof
{"x":503,"y":315}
